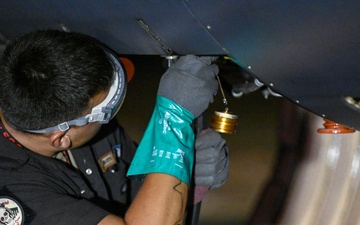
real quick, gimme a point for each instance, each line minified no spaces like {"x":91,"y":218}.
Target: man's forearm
{"x":161,"y":200}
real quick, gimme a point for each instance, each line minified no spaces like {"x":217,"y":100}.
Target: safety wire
{"x":222,"y":93}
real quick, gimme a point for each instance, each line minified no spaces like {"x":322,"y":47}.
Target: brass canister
{"x":224,"y":122}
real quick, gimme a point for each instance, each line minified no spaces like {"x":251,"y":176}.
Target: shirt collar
{"x":12,"y":153}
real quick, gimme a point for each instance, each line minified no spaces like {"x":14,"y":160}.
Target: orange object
{"x":129,"y":68}
{"x":334,"y":128}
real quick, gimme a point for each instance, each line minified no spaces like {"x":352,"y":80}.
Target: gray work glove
{"x":191,"y":83}
{"x":211,"y":159}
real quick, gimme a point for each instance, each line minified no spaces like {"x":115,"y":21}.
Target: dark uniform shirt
{"x":44,"y":190}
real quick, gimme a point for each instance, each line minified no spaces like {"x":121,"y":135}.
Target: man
{"x":64,"y":161}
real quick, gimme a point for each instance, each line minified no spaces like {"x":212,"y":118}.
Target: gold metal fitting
{"x":224,"y":122}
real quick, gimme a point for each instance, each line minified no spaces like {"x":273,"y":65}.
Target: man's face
{"x":80,"y":135}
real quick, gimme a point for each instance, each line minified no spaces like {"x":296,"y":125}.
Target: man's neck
{"x":38,"y":143}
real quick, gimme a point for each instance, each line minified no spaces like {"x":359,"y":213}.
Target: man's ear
{"x":60,"y":140}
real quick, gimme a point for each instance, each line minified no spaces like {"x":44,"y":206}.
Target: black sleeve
{"x":36,"y":203}
{"x":52,"y":208}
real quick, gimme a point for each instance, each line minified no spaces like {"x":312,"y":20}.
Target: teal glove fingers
{"x":168,"y":143}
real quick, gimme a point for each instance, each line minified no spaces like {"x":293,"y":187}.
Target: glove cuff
{"x":168,"y":143}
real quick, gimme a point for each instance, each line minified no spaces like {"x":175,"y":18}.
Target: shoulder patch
{"x":12,"y":210}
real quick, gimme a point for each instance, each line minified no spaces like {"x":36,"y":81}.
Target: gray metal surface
{"x":308,"y":51}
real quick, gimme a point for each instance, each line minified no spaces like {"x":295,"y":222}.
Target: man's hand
{"x":191,"y":83}
{"x":211,"y":159}
{"x":166,"y":151}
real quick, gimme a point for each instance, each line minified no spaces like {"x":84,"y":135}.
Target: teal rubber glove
{"x":185,"y":91}
{"x":168,"y":143}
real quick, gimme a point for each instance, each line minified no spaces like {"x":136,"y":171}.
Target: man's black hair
{"x":48,"y":77}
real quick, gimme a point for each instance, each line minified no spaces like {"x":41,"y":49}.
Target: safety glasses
{"x":107,"y":109}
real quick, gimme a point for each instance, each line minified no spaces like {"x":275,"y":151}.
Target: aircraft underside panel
{"x":307,"y":51}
